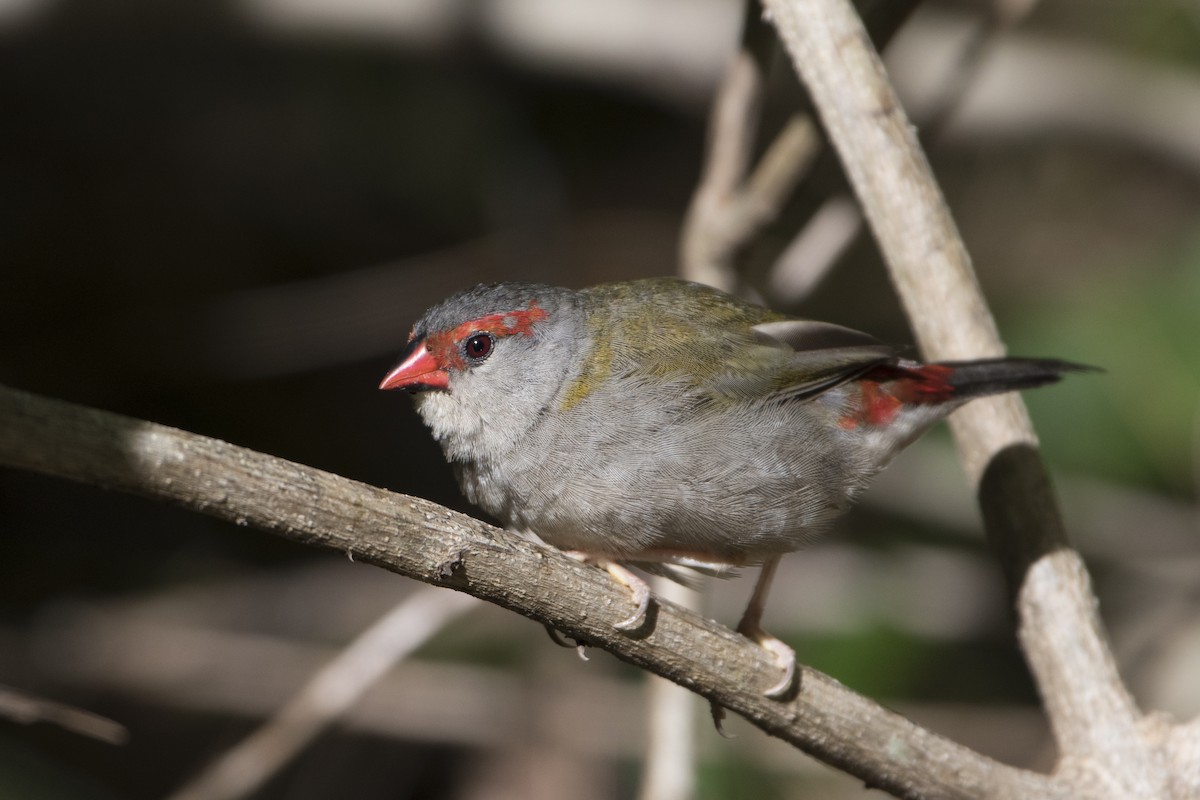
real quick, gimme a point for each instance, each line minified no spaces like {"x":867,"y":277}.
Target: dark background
{"x":225,"y":217}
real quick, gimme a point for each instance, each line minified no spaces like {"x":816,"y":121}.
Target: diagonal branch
{"x":724,"y":215}
{"x":734,"y":203}
{"x":326,"y":698}
{"x":1098,"y":728}
{"x":422,"y":540}
{"x":22,"y":707}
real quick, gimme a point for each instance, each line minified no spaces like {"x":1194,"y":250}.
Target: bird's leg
{"x":751,"y":627}
{"x":622,"y":575}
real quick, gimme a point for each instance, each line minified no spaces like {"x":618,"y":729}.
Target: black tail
{"x":997,"y":375}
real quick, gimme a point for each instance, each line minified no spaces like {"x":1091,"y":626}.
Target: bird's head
{"x":487,"y":360}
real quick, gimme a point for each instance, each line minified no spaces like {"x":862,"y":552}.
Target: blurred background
{"x":224,"y":216}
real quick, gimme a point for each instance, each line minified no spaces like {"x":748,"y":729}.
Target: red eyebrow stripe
{"x":504,"y":324}
{"x":508,"y":323}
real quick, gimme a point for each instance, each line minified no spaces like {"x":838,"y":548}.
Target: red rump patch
{"x":444,"y":344}
{"x":884,"y":389}
{"x":879,"y":404}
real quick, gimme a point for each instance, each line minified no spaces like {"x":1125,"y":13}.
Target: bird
{"x":663,"y":424}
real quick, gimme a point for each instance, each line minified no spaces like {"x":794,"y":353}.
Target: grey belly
{"x":744,"y":493}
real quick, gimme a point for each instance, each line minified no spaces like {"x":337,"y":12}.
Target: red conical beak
{"x":418,"y":371}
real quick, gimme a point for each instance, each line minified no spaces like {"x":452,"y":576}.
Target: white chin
{"x":446,"y":417}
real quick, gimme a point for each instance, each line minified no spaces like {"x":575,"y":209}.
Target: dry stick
{"x":815,"y":250}
{"x":781,"y":167}
{"x":27,"y":709}
{"x":669,"y":771}
{"x":711,"y":237}
{"x":1096,"y":725}
{"x":433,"y":544}
{"x":330,"y":693}
{"x":721,"y":223}
{"x":729,"y":209}
{"x":459,"y":704}
{"x":1183,"y":748}
{"x":818,"y":247}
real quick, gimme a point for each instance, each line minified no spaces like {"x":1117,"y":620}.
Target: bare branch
{"x":815,"y":250}
{"x":712,"y":232}
{"x":778,"y":171}
{"x":670,"y":763}
{"x":425,"y":541}
{"x":1098,"y":729}
{"x":328,"y":695}
{"x":25,"y":708}
{"x":729,"y":207}
{"x":126,"y":650}
{"x":818,"y":246}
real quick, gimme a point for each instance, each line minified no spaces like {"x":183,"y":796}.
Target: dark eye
{"x":479,"y":346}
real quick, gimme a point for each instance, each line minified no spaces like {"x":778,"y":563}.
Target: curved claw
{"x":751,"y":627}
{"x":783,"y":655}
{"x":786,"y":657}
{"x":557,"y":638}
{"x":636,"y":586}
{"x":641,"y":594}
{"x":718,"y":718}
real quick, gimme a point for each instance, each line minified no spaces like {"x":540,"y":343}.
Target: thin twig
{"x":332,"y":691}
{"x":815,"y":250}
{"x":670,"y":763}
{"x":727,"y":211}
{"x":24,"y":708}
{"x":819,"y":245}
{"x":785,"y":161}
{"x":248,"y":675}
{"x":731,"y":208}
{"x":425,"y":541}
